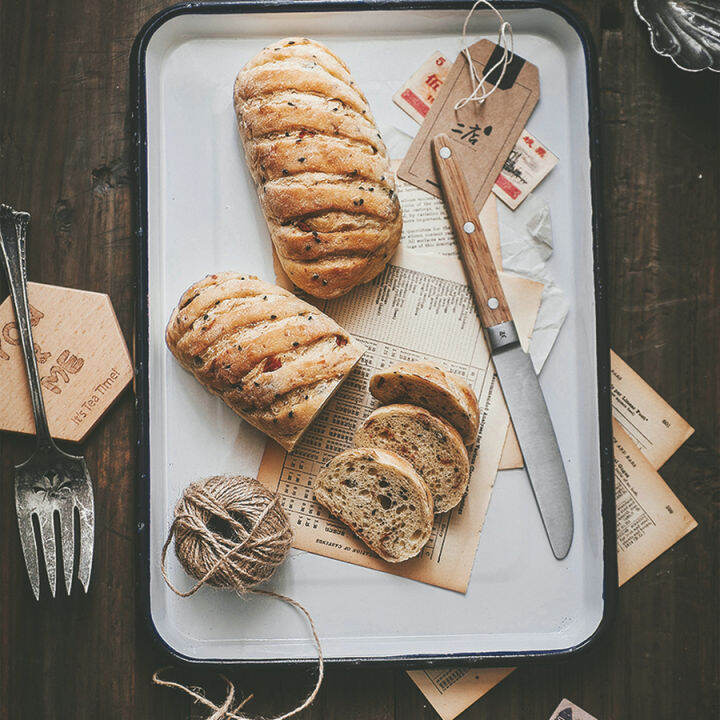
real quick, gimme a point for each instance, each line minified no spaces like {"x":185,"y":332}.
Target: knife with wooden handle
{"x":519,"y":383}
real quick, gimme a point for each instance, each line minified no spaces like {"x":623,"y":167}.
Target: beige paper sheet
{"x":650,"y":519}
{"x":397,"y":316}
{"x":652,"y":424}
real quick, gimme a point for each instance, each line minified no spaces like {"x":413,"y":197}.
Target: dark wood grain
{"x":64,"y":157}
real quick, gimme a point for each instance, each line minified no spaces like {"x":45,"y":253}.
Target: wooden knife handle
{"x":474,"y":251}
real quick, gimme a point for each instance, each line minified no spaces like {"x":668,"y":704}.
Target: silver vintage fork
{"x":51,"y":482}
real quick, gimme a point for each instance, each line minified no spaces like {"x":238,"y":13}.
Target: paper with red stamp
{"x":417,"y":95}
{"x":528,"y":163}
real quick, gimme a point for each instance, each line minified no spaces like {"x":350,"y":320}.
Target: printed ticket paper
{"x":526,"y":166}
{"x":417,"y":95}
{"x":650,"y":520}
{"x":396,"y":317}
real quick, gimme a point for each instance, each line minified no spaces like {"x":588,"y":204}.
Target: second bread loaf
{"x":273,"y":358}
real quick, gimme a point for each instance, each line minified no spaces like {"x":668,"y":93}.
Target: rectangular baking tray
{"x":197,"y":213}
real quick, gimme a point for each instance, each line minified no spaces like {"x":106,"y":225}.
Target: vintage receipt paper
{"x":397,"y":318}
{"x":650,"y":519}
{"x":652,"y":424}
{"x":526,"y":166}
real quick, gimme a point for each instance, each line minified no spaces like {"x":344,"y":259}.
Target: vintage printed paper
{"x":419,"y":92}
{"x":481,"y":135}
{"x":652,"y":424}
{"x":426,"y":227}
{"x":526,"y":166}
{"x":650,"y":519}
{"x":397,"y":317}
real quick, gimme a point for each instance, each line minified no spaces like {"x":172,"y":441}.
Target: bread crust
{"x":393,"y":462}
{"x":320,"y":166}
{"x":271,"y":357}
{"x":431,"y":387}
{"x":441,"y":459}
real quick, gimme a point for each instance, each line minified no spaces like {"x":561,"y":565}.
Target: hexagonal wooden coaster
{"x":82,"y":357}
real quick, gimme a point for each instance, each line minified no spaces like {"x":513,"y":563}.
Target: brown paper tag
{"x":481,"y":135}
{"x":420,"y":91}
{"x":82,"y":359}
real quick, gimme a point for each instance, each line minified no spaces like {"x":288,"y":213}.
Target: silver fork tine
{"x":47,"y":536}
{"x":29,"y":548}
{"x":50,"y":480}
{"x":67,"y":541}
{"x":86,"y":513}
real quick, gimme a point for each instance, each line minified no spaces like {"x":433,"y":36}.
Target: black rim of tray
{"x":141,"y":349}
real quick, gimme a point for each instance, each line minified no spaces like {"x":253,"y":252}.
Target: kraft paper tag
{"x":481,"y":135}
{"x":82,"y":359}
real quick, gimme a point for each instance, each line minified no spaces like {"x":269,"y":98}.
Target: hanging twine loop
{"x":479,"y":93}
{"x":232,"y":533}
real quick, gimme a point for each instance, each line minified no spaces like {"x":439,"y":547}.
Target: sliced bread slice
{"x":381,"y":498}
{"x":431,"y":445}
{"x":431,"y":387}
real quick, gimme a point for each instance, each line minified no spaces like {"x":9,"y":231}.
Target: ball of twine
{"x":230,"y":532}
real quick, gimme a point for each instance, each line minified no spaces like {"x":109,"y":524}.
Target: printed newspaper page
{"x":418,"y":308}
{"x":650,"y":519}
{"x":652,"y":424}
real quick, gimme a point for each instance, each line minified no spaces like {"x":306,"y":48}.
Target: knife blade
{"x":520,"y":385}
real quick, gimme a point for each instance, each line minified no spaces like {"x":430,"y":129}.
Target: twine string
{"x":479,"y":93}
{"x":260,"y":538}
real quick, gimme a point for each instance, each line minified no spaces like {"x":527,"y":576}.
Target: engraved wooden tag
{"x":82,"y":357}
{"x":481,"y":135}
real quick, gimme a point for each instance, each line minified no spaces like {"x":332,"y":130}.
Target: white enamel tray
{"x":198,"y":213}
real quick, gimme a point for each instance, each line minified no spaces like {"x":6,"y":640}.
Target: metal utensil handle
{"x":13,"y":229}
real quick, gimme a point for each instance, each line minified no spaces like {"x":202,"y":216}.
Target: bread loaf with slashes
{"x":320,"y":166}
{"x":273,"y":358}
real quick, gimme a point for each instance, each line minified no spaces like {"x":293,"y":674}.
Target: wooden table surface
{"x":65,"y":157}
